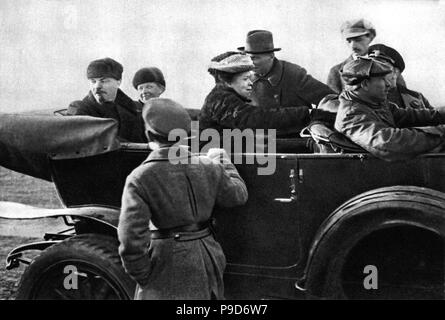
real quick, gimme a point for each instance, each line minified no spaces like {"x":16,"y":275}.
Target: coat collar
{"x":162,"y":154}
{"x":121,"y":99}
{"x":355,"y":96}
{"x":231,"y":90}
{"x":274,"y":75}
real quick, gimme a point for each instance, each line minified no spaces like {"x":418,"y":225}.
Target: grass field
{"x":16,"y":187}
{"x":9,"y":279}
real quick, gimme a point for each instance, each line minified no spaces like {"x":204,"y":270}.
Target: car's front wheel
{"x":84,"y":267}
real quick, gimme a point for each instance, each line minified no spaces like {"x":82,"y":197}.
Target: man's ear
{"x":364,"y":84}
{"x":149,"y":135}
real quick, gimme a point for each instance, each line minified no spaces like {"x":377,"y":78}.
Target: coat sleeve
{"x":426,"y":102}
{"x":133,"y":232}
{"x":232,"y":112}
{"x":309,"y":88}
{"x":383,"y":141}
{"x":334,"y":80}
{"x":232,"y":190}
{"x":78,"y":108}
{"x":410,"y":117}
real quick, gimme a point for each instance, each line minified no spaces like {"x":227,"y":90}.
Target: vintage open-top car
{"x":335,"y":225}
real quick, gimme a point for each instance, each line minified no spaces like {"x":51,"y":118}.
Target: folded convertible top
{"x":28,"y":141}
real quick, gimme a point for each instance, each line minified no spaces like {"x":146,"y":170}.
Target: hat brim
{"x":355,"y":34}
{"x":267,"y":51}
{"x":233,"y":69}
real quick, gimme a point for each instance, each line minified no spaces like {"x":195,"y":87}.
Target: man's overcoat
{"x":123,"y":109}
{"x":168,"y":195}
{"x":287,"y":85}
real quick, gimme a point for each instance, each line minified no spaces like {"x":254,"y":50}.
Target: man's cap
{"x":356,"y":28}
{"x":259,"y":41}
{"x":232,"y":63}
{"x":150,"y":74}
{"x":161,"y":115}
{"x":355,"y":71}
{"x":380,"y":51}
{"x":105,"y":68}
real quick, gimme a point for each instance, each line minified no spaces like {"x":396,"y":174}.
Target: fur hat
{"x":259,"y":41}
{"x":151,"y":74}
{"x":357,"y":28}
{"x":234,"y":62}
{"x":162,"y":115}
{"x":355,"y":71}
{"x":387,"y":53}
{"x":105,"y":68}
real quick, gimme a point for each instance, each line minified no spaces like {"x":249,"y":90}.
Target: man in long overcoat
{"x":106,"y":100}
{"x":278,"y":83}
{"x":165,"y":242}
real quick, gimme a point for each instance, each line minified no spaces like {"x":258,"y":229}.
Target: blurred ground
{"x":24,"y":189}
{"x":16,"y":187}
{"x":9,"y":279}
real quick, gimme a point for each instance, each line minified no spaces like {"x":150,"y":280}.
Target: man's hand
{"x":322,"y":116}
{"x":218,"y":155}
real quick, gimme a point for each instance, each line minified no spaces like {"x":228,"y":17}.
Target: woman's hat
{"x":151,"y":74}
{"x":259,"y":41}
{"x":235,"y":63}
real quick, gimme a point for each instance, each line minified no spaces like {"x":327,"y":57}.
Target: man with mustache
{"x":382,"y":128}
{"x":106,"y":100}
{"x":358,"y":34}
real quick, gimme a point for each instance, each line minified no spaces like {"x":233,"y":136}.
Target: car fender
{"x":106,"y":216}
{"x":368,"y":212}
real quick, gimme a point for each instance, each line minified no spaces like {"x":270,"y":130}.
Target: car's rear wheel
{"x":406,"y":263}
{"x":84,"y":267}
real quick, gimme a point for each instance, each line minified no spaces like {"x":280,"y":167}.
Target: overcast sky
{"x":46,"y":45}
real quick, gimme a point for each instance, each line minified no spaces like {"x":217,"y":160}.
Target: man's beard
{"x":100,"y":98}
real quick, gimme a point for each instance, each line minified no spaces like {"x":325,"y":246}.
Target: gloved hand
{"x":218,"y":155}
{"x":323,"y":116}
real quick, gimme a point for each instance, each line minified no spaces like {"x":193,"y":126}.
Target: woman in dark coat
{"x":228,"y":106}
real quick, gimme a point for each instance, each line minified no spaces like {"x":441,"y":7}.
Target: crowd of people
{"x":164,"y":229}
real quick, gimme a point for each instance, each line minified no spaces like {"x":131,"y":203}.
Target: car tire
{"x":83,"y":267}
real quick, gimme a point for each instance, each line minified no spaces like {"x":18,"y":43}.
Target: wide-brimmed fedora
{"x":259,"y":41}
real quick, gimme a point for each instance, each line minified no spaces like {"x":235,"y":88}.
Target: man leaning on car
{"x":106,"y":100}
{"x":381,"y":127}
